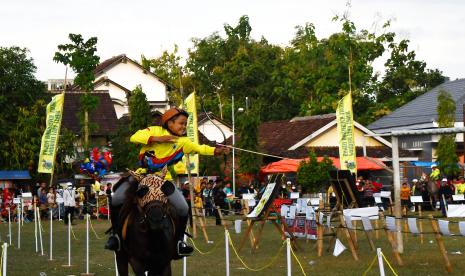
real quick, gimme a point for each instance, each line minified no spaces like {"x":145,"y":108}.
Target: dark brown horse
{"x":147,"y":224}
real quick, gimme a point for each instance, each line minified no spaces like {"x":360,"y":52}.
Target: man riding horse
{"x":163,"y":146}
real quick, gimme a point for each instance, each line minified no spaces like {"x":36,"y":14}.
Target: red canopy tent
{"x":291,"y":165}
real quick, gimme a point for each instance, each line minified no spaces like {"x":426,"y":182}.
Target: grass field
{"x":419,"y":259}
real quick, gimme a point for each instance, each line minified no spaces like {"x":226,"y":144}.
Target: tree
{"x":239,"y":65}
{"x":139,"y":110}
{"x":125,"y":153}
{"x":446,"y":151}
{"x":66,"y":151}
{"x":21,"y":96}
{"x":168,"y":68}
{"x":25,"y":139}
{"x":314,"y":175}
{"x":247,"y":130}
{"x":405,"y":78}
{"x":81,"y":56}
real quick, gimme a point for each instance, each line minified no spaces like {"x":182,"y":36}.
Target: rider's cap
{"x":444,"y":180}
{"x":170,"y":113}
{"x":69,"y":184}
{"x":415,"y":180}
{"x":433,"y":166}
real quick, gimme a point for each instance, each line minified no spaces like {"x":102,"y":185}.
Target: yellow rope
{"x":298,"y":261}
{"x":369,"y":267}
{"x":92,"y":227}
{"x":392,"y":269}
{"x":202,"y":252}
{"x":245,"y":265}
{"x":72,"y":231}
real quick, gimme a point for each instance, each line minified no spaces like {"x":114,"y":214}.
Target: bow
{"x":210,"y":119}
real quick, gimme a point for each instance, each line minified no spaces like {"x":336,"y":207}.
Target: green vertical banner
{"x":51,"y":133}
{"x":345,"y":129}
{"x":193,"y":134}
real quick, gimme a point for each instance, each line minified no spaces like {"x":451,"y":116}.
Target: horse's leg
{"x":122,"y":263}
{"x":164,"y":271}
{"x":167,"y":270}
{"x":137,"y":266}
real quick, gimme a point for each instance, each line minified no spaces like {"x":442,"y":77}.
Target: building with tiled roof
{"x":294,"y":138}
{"x":421,"y":113}
{"x":120,"y":75}
{"x":103,"y":117}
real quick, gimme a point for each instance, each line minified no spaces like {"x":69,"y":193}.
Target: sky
{"x":148,"y":27}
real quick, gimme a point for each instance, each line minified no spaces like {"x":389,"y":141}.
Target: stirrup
{"x":118,"y":241}
{"x":180,"y":245}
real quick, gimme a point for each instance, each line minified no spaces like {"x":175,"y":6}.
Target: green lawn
{"x":419,"y":259}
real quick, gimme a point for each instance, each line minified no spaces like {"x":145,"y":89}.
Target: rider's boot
{"x":114,"y":243}
{"x":183,"y":249}
{"x":175,"y":197}
{"x":118,"y":198}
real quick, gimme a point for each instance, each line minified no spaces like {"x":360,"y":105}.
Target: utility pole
{"x":234,"y":146}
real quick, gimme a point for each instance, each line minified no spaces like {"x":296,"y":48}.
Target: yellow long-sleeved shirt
{"x":168,"y":153}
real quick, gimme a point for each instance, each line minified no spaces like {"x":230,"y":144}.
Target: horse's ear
{"x":163,"y":172}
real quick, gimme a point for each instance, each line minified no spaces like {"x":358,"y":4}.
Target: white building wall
{"x":117,"y":95}
{"x":115,"y":92}
{"x":458,"y":136}
{"x":212,"y":133}
{"x":129,"y":76}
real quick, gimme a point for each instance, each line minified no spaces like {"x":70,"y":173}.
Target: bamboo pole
{"x":421,"y":223}
{"x":441,"y":246}
{"x":349,"y":238}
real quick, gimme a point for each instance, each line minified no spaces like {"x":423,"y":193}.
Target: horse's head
{"x":152,"y":200}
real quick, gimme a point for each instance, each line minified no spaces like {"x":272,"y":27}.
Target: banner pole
{"x":116,"y":266}
{"x":288,"y":250}
{"x":226,"y":242}
{"x":9,"y":224}
{"x":5,"y":252}
{"x":380,"y":261}
{"x":35,"y":227}
{"x":51,"y":234}
{"x":39,"y":228}
{"x":19,"y":229}
{"x":184,"y":261}
{"x":69,"y":239}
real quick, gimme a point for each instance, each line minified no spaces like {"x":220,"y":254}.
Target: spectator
{"x":219,"y":198}
{"x":367,"y":190}
{"x":60,"y":204}
{"x":244,"y":189}
{"x":51,"y":202}
{"x":229,"y":194}
{"x":405,"y":196}
{"x":460,"y":186}
{"x":43,"y":186}
{"x":445,"y":193}
{"x":187,"y":196}
{"x":208,"y":199}
{"x":69,"y":202}
{"x":43,"y":203}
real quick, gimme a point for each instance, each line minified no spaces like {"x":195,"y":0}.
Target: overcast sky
{"x":435,"y":28}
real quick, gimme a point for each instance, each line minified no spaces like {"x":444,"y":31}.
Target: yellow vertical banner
{"x":50,"y":137}
{"x":345,"y":129}
{"x":192,"y":132}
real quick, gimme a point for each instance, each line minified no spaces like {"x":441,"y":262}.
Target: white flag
{"x":338,"y":248}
